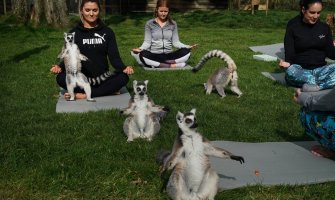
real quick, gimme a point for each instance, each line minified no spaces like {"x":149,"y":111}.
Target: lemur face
{"x":140,"y":87}
{"x":69,"y":37}
{"x":187,"y":119}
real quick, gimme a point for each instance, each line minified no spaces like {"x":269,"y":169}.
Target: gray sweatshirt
{"x":318,"y":101}
{"x":161,"y":39}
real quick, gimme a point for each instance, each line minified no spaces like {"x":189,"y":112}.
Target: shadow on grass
{"x":19,"y":57}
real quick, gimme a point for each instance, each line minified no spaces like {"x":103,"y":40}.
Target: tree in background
{"x":54,"y":12}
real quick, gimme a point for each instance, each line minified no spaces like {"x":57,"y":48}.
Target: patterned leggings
{"x":323,"y":76}
{"x":320,"y":126}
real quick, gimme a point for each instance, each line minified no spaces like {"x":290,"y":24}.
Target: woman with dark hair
{"x":307,"y":43}
{"x":161,"y":35}
{"x":97,"y":42}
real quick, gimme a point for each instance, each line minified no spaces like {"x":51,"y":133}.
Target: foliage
{"x":35,"y":12}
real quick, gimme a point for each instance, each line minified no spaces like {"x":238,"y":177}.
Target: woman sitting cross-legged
{"x":161,"y":35}
{"x":307,"y":43}
{"x":97,"y":42}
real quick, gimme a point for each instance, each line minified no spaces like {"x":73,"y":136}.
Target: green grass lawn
{"x":45,"y":155}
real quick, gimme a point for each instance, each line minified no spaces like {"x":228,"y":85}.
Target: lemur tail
{"x":99,"y":79}
{"x":215,"y":53}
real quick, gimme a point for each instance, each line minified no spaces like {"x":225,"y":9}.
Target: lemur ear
{"x":134,"y":83}
{"x":193,"y":111}
{"x":179,"y":116}
{"x":65,"y":34}
{"x":146,"y":82}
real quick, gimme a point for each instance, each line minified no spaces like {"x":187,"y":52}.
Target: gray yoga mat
{"x":102,"y":103}
{"x":187,"y":67}
{"x":272,"y":163}
{"x":276,"y":50}
{"x":278,"y":77}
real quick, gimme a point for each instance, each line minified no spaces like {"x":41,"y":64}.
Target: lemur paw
{"x":161,"y":170}
{"x":237,"y":158}
{"x":166,"y":109}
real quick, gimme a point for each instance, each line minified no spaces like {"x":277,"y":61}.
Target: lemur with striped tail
{"x":72,"y":61}
{"x":221,"y":77}
{"x":192,"y":176}
{"x":143,"y":116}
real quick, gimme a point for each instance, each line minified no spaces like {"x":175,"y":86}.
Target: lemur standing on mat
{"x":72,"y":60}
{"x":144,"y":116}
{"x":221,"y":77}
{"x":192,"y":176}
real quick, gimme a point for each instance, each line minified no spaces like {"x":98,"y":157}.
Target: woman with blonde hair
{"x":161,"y":35}
{"x":97,"y":42}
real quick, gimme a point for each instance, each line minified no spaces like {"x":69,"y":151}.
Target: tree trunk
{"x":53,"y":12}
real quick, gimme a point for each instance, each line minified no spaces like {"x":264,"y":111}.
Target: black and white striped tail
{"x":99,"y":79}
{"x":215,"y":53}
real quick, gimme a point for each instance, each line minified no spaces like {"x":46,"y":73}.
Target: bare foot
{"x":173,"y":65}
{"x":321,"y":151}
{"x":77,"y":96}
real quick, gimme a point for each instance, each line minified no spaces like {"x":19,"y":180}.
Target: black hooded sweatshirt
{"x":97,"y":44}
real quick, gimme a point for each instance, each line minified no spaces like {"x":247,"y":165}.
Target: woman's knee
{"x":291,"y":71}
{"x":119,"y":79}
{"x":124,"y":78}
{"x":185,"y":51}
{"x":145,"y":53}
{"x":61,"y":80}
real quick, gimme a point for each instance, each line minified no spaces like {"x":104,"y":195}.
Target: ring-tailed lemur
{"x":192,"y":176}
{"x":72,"y":61}
{"x":143,"y":115}
{"x":221,"y":77}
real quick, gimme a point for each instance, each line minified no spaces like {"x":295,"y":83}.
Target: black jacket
{"x":97,"y":44}
{"x":308,"y":45}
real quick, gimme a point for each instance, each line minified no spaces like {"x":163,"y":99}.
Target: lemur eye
{"x":188,"y":121}
{"x":138,"y":89}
